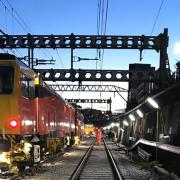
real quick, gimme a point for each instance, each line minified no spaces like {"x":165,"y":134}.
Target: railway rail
{"x":97,"y":163}
{"x":89,"y":161}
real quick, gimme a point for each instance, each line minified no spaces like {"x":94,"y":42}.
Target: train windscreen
{"x":6,"y":79}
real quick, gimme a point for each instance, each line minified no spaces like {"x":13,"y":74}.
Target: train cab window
{"x":31,"y":89}
{"x":27,"y":87}
{"x":6,"y":79}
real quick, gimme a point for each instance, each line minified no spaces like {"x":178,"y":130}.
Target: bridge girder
{"x":84,"y":41}
{"x":108,"y":101}
{"x":96,"y":75}
{"x":89,"y":88}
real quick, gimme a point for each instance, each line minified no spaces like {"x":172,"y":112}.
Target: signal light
{"x":13,"y":123}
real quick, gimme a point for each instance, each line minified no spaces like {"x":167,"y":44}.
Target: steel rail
{"x":113,"y":164}
{"x":81,"y":164}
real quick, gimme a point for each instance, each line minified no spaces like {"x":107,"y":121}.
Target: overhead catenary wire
{"x":102,"y":17}
{"x":21,"y":22}
{"x":6,"y":9}
{"x":155,"y":22}
{"x":105,"y":25}
{"x":12,"y":15}
{"x":102,"y":14}
{"x":98,"y":53}
{"x":157,"y":16}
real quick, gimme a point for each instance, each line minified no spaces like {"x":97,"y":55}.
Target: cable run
{"x":22,"y":24}
{"x":60,"y":59}
{"x":105,"y":26}
{"x":157,"y":17}
{"x":155,"y":21}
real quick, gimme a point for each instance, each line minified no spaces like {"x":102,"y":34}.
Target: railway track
{"x":97,"y":163}
{"x":89,"y":161}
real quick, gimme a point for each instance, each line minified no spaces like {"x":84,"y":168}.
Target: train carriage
{"x":34,"y":119}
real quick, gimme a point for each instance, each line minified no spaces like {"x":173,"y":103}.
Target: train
{"x":89,"y":130}
{"x":35,"y":121}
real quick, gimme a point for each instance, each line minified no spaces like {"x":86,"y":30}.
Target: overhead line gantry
{"x":158,"y":43}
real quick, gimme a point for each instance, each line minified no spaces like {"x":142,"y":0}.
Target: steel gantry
{"x":84,"y":41}
{"x":158,"y":43}
{"x":108,"y":101}
{"x":97,"y":75}
{"x":90,"y":88}
{"x":92,"y":101}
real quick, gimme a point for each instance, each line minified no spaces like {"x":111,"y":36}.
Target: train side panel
{"x":9,"y":108}
{"x":26,"y":102}
{"x":33,"y":117}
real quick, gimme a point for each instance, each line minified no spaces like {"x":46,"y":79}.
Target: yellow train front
{"x":34,"y":119}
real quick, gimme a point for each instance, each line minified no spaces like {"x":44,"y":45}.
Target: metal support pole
{"x":118,"y":132}
{"x":110,"y":105}
{"x":71,"y":58}
{"x":157,"y":134}
{"x":29,"y":57}
{"x":32,"y":57}
{"x":157,"y":126}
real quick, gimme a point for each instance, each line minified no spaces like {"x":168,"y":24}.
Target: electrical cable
{"x":157,"y":16}
{"x":102,"y":17}
{"x":6,"y":9}
{"x":60,"y":58}
{"x":155,"y":21}
{"x":98,"y":51}
{"x":107,"y":7}
{"x":23,"y":25}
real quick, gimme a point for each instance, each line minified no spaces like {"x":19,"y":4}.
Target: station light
{"x":117,"y":124}
{"x":140,"y":114}
{"x":131,"y":117}
{"x":125,"y":123}
{"x":153,"y":103}
{"x":122,"y":129}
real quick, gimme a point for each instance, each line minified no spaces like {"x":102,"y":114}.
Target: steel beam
{"x":84,"y":41}
{"x":96,"y":75}
{"x":108,"y":101}
{"x":89,"y":88}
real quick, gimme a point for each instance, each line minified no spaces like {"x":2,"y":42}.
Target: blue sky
{"x":125,"y":17}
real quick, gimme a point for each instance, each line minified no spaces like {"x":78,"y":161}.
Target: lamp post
{"x":140,"y":114}
{"x":155,"y":105}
